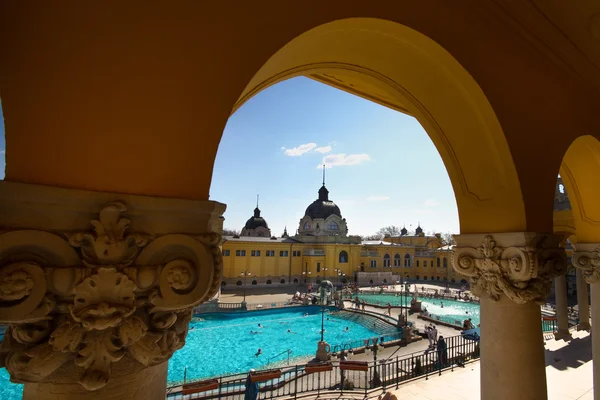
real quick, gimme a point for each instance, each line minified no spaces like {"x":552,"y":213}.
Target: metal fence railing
{"x":343,"y":377}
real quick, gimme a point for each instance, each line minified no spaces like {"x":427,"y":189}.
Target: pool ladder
{"x":288,"y":351}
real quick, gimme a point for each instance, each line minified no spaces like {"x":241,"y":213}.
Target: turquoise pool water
{"x":451,"y":312}
{"x":222,"y":344}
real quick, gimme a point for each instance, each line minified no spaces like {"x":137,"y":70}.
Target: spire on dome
{"x":403,"y":231}
{"x":256,"y":210}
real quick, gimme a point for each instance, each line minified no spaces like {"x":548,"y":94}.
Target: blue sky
{"x":382,"y":167}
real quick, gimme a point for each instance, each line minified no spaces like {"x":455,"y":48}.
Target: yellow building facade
{"x":321,"y":250}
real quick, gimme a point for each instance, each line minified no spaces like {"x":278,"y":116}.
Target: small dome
{"x":256,"y":221}
{"x":419,"y":230}
{"x":404,"y":231}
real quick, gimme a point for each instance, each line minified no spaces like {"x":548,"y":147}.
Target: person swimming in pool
{"x":259,"y":352}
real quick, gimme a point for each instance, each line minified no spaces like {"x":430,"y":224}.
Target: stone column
{"x":587,"y":259}
{"x":562,"y":308}
{"x":512,"y":274}
{"x":583,"y":304}
{"x":98,"y":288}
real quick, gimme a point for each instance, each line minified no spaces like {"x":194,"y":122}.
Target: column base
{"x":566,"y":336}
{"x":584,"y":327}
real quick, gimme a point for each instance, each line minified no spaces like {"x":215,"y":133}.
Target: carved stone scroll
{"x":109,"y":294}
{"x":587,"y":258}
{"x":518,"y":265}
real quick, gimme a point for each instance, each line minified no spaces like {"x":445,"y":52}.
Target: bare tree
{"x":388,"y":231}
{"x":230,"y":232}
{"x":448,"y":238}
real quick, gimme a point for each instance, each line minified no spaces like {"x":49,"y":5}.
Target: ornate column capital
{"x":520,"y":265}
{"x":95,"y":281}
{"x":586,"y":257}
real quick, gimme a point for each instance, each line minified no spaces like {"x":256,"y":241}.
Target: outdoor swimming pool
{"x":221,"y":344}
{"x":451,"y":312}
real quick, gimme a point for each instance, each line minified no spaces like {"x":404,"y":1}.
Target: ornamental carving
{"x":588,"y":262}
{"x":522,"y":273}
{"x":100,"y":297}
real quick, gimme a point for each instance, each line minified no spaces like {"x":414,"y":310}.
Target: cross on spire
{"x":257,"y":201}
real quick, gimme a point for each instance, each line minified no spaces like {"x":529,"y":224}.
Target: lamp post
{"x":245,"y":274}
{"x":323,"y":347}
{"x":371,"y":345}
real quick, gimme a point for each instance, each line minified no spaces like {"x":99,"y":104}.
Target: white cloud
{"x":339,"y":160}
{"x":324,"y":149}
{"x":422,"y":211}
{"x":377,"y":198}
{"x":431,"y":203}
{"x":298,"y":151}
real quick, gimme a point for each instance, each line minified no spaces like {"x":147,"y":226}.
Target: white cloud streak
{"x":377,"y":198}
{"x":340,"y":160}
{"x":323,"y":150}
{"x":431,"y":203}
{"x":298,"y":151}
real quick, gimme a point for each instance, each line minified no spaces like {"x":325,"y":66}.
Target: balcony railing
{"x":313,"y":252}
{"x":369,"y":254}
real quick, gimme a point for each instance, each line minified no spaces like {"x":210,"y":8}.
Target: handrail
{"x":288,"y":351}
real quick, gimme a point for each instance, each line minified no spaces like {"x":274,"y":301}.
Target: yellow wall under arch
{"x":403,"y":69}
{"x":580,"y":172}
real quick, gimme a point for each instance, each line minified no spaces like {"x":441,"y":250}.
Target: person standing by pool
{"x":442,"y":352}
{"x":389,"y":309}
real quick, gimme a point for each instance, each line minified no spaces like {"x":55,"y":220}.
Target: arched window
{"x":397,"y":260}
{"x":307,"y":226}
{"x":295,"y":280}
{"x":407,"y":261}
{"x":268,"y":282}
{"x":254,"y":283}
{"x":282,"y":281}
{"x":453,"y":280}
{"x":223,"y":284}
{"x":438,"y":262}
{"x":333,"y":226}
{"x":387,"y":261}
{"x":424,"y":278}
{"x":371,"y":281}
{"x":318,"y":281}
{"x":437,"y":278}
{"x":239,"y":283}
{"x":445,"y":262}
{"x":343,"y":256}
{"x":417,"y":277}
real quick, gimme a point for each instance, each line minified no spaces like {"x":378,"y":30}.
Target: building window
{"x":307,"y":226}
{"x":343,"y":256}
{"x":407,"y":261}
{"x":373,"y":263}
{"x":417,"y":263}
{"x":445,"y":262}
{"x":269,"y":253}
{"x":424,"y":263}
{"x":333,"y":226}
{"x":387,"y":261}
{"x":295,"y":280}
{"x":255,"y":253}
{"x":239,"y":283}
{"x":417,"y":277}
{"x":438,"y":262}
{"x":296,"y":253}
{"x":282,"y":281}
{"x":397,"y":260}
{"x":283,"y":253}
{"x":240,"y":253}
{"x":268,"y":282}
{"x":318,"y":267}
{"x":226,"y":253}
{"x":425,"y":278}
{"x":254,"y":282}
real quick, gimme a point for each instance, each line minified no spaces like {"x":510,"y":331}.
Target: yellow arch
{"x":580,"y":172}
{"x":403,"y":69}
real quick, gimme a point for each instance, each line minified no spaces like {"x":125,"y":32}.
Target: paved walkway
{"x":568,"y":373}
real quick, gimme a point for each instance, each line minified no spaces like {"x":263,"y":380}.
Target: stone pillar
{"x":562,"y":308}
{"x":587,"y":259}
{"x":98,"y":288}
{"x":512,"y":274}
{"x":583,"y":304}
